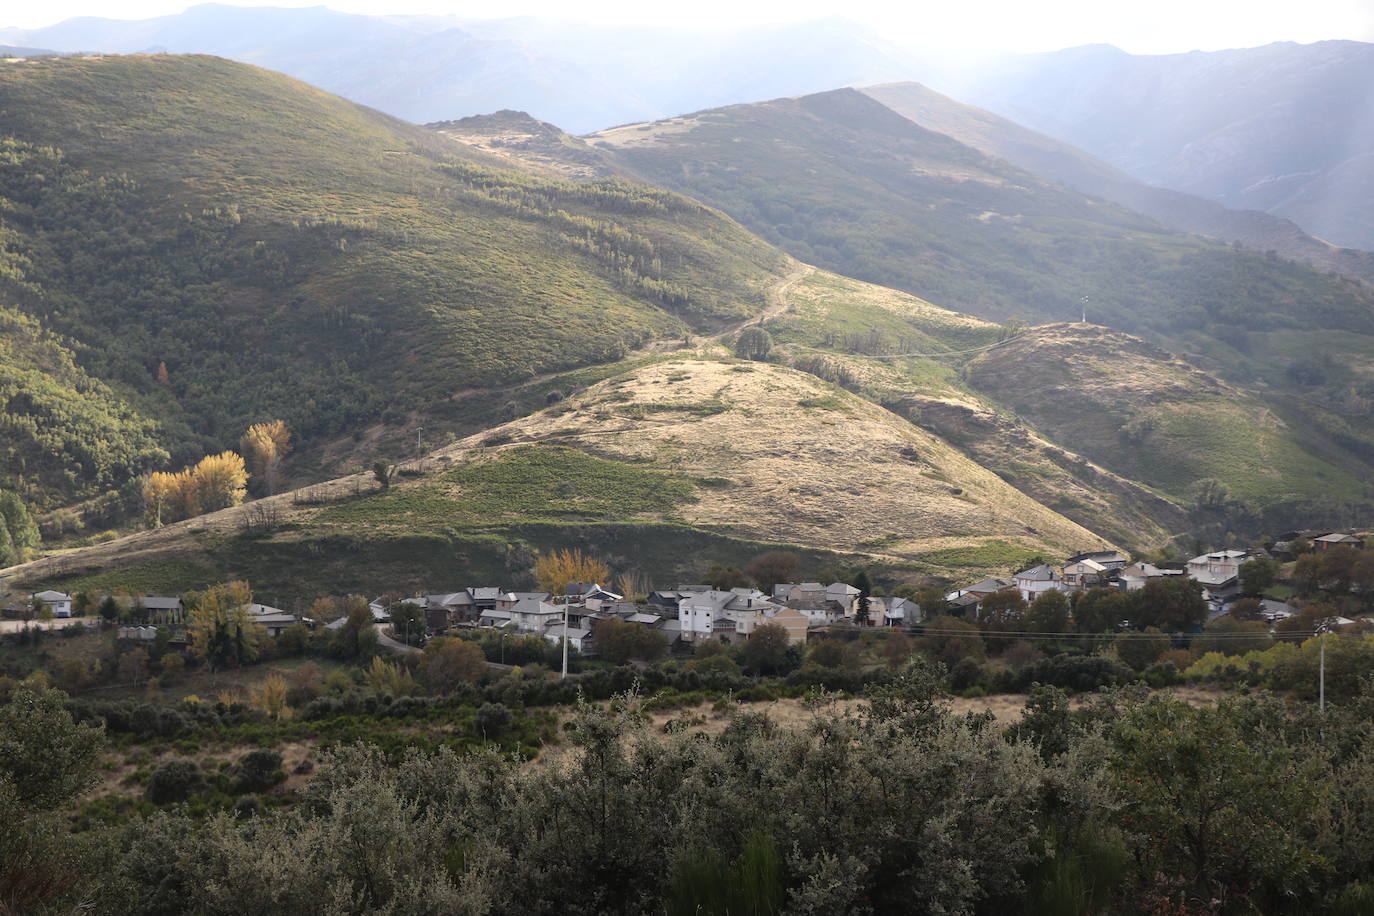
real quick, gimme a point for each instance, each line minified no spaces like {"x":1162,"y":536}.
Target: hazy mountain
{"x":1285,"y":128}
{"x":578,"y":76}
{"x":1066,"y":164}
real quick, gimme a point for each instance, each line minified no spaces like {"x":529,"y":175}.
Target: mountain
{"x":208,"y":245}
{"x":1067,"y":165}
{"x":1287,"y":128}
{"x":426,"y":68}
{"x":844,"y":182}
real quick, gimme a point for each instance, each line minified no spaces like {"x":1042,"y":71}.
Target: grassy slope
{"x":665,"y":469}
{"x":287,"y":253}
{"x":865,"y":327}
{"x":1159,"y":420}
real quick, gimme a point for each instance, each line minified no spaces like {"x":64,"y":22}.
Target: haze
{"x":1168,"y":26}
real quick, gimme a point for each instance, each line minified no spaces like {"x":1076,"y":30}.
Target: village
{"x":689,"y":615}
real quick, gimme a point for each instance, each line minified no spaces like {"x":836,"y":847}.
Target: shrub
{"x":174,"y":781}
{"x":491,"y":719}
{"x":1076,"y":673}
{"x":966,"y":673}
{"x":259,"y":770}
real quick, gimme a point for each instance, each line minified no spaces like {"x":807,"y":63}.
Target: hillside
{"x":285,"y":253}
{"x":1067,"y":165}
{"x":843,"y":182}
{"x":1283,"y":128}
{"x":666,"y":469}
{"x":1163,"y":422}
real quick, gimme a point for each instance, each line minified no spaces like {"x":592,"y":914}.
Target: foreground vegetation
{"x":1131,"y":803}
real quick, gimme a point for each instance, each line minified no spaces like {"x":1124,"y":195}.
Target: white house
{"x":60,"y":604}
{"x":722,"y":615}
{"x":1034,"y":582}
{"x":1218,"y":572}
{"x":1134,"y":577}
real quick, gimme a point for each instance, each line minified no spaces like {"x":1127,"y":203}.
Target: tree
{"x":109,"y":608}
{"x":1099,"y":610}
{"x":559,"y":569}
{"x":382,"y":472}
{"x":19,"y":536}
{"x":221,"y":626}
{"x":725,"y":578}
{"x":491,"y":719}
{"x":1307,"y":572}
{"x":407,"y":621}
{"x":1257,"y":576}
{"x":949,"y":639}
{"x":264,"y":446}
{"x":897,"y":648}
{"x":619,"y":641}
{"x":865,"y":587}
{"x":1049,"y":613}
{"x":1173,"y":603}
{"x":44,"y":755}
{"x":1140,"y":650}
{"x":1335,"y":569}
{"x":174,"y":781}
{"x":161,"y":375}
{"x":1230,"y":636}
{"x":271,"y":697}
{"x":133,"y":667}
{"x":932,"y":603}
{"x":447,"y":663}
{"x":348,"y":640}
{"x":1003,"y":610}
{"x":1220,"y":811}
{"x":766,"y":650}
{"x":772,"y":568}
{"x":221,"y":481}
{"x":753,"y":343}
{"x":1246,"y":609}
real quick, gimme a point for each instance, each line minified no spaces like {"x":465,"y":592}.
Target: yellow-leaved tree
{"x":221,"y":481}
{"x":555,"y":571}
{"x":216,"y":482}
{"x":263,"y":447}
{"x":271,"y":697}
{"x":221,"y":625}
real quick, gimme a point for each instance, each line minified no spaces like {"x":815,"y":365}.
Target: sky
{"x":1138,"y":26}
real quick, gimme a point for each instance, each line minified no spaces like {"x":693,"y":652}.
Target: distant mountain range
{"x":1285,"y":128}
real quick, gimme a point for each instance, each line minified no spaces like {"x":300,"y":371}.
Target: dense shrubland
{"x":1130,"y":804}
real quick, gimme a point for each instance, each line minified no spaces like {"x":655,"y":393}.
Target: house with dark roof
{"x":1338,"y":539}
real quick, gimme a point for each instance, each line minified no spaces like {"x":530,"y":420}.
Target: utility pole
{"x":1085,"y":309}
{"x":1321,"y":666}
{"x":565,"y":637}
{"x":419,"y":449}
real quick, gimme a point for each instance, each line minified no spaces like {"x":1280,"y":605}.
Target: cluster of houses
{"x":1218,"y":572}
{"x":696,"y":613}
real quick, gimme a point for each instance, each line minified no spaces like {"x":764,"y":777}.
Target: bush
{"x":259,"y":770}
{"x":491,"y":719}
{"x":966,"y":673}
{"x":174,"y":781}
{"x":1077,"y":673}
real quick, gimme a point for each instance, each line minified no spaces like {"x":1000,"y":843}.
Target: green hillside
{"x":1163,"y":422}
{"x":843,"y":182}
{"x":288,"y":254}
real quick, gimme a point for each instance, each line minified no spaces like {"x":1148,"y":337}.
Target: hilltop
{"x":693,"y":459}
{"x":284,"y":253}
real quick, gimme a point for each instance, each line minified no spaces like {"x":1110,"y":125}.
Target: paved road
{"x":395,"y":645}
{"x":57,"y":623}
